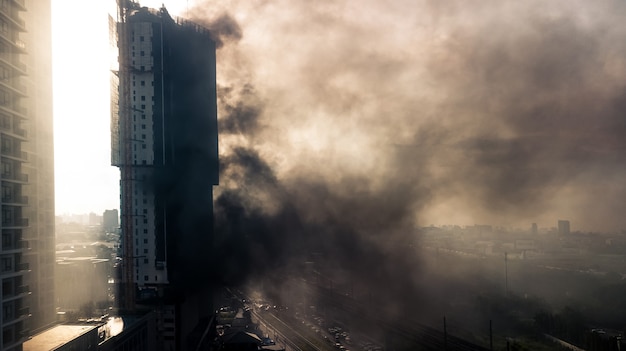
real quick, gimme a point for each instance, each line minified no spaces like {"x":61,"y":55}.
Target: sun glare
{"x":85,"y":181}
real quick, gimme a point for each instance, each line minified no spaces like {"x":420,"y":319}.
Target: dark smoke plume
{"x":344,"y":125}
{"x":224,"y":29}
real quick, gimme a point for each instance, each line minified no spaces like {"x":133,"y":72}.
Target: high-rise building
{"x":26,"y":150}
{"x":563,"y":227}
{"x":110,"y":220}
{"x":164,"y":141}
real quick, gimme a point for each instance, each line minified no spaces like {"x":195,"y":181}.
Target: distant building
{"x":110,"y":220}
{"x":136,"y":333}
{"x":82,"y":283}
{"x":164,"y":140}
{"x":563,"y":227}
{"x":130,"y":333}
{"x":94,"y":219}
{"x":65,"y":338}
{"x":533,"y":228}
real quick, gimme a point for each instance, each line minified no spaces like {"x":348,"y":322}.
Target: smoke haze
{"x":441,"y":112}
{"x":344,"y":125}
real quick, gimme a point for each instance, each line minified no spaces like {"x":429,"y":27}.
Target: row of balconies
{"x":20,"y":4}
{"x":11,"y":14}
{"x":12,"y":291}
{"x":13,"y":62}
{"x":11,"y":316}
{"x":16,"y":43}
{"x":15,"y":200}
{"x":14,"y":86}
{"x":14,"y":109}
{"x":15,"y":334}
{"x":14,"y":154}
{"x":15,"y":177}
{"x":15,"y":222}
{"x":9,"y":266}
{"x":14,"y":132}
{"x":17,"y":245}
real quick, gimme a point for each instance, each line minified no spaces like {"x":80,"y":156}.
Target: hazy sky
{"x":85,"y":180}
{"x":498,"y":112}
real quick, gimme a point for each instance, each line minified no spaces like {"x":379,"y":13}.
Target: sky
{"x":85,"y":180}
{"x":446,"y":112}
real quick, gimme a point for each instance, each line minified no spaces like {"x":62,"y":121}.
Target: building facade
{"x":27,"y":177}
{"x":165,"y":143}
{"x":110,"y":220}
{"x":563,"y":227}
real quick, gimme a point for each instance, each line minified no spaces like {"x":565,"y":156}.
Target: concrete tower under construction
{"x":164,"y":141}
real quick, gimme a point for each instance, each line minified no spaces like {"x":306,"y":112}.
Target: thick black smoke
{"x":224,"y":29}
{"x":344,"y":125}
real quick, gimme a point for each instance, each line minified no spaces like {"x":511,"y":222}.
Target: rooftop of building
{"x":56,"y":336}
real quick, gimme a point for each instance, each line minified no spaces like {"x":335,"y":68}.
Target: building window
{"x":5,"y":122}
{"x":145,"y":277}
{"x":143,"y":83}
{"x":7,"y":240}
{"x":145,"y":231}
{"x":7,"y":264}
{"x":146,"y":261}
{"x":145,"y":221}
{"x":141,"y":38}
{"x":7,"y":169}
{"x":143,"y":98}
{"x":145,"y":251}
{"x":7,"y":335}
{"x":7,"y":311}
{"x":145,"y":241}
{"x":143,"y":146}
{"x":143,"y":126}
